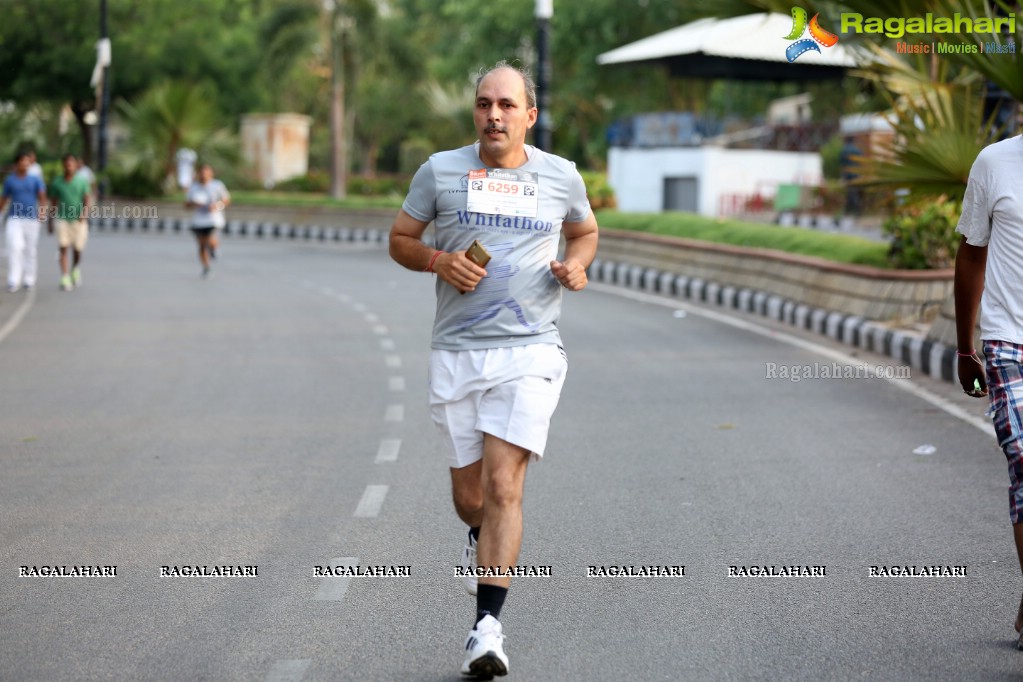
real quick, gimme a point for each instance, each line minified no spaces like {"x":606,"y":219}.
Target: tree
{"x":47,"y":55}
{"x":292,"y":37}
{"x":457,"y":37}
{"x":47,"y":51}
{"x":166,"y":118}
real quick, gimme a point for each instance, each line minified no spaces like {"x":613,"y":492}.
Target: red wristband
{"x":436,"y":255}
{"x":966,"y":355}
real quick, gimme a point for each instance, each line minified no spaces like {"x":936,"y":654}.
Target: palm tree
{"x":939,"y":123}
{"x":166,"y":118}
{"x":307,"y":37}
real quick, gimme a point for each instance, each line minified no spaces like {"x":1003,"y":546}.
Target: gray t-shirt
{"x":519,"y":301}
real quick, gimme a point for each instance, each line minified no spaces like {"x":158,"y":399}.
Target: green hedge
{"x":132,"y":185}
{"x":379,"y":186}
{"x":319,"y":182}
{"x":924,"y":235}
{"x":837,"y":247}
{"x":598,"y":191}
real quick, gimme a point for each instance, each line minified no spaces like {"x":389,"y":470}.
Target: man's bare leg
{"x":204,"y":259}
{"x":503,"y":481}
{"x":467,"y":493}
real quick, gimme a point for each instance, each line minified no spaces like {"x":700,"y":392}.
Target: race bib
{"x":501,"y":191}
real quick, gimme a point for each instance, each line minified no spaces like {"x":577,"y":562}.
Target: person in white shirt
{"x":989,"y":275}
{"x":86,"y":173}
{"x":209,"y":198}
{"x":34,"y":169}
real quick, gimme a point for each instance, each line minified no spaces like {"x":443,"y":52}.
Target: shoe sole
{"x":488,"y":666}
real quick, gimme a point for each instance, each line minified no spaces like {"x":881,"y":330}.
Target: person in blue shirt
{"x":26,"y":194}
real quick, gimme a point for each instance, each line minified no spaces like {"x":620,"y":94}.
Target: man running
{"x":71,"y":196}
{"x":497,"y":364}
{"x":209,"y":197}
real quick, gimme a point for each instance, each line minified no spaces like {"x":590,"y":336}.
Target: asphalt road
{"x":275,"y":417}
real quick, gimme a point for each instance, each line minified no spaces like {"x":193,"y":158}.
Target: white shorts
{"x":510,"y":393}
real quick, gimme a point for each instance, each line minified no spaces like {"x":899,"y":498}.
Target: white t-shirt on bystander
{"x":993,"y":217}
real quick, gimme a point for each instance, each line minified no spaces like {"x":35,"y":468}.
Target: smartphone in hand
{"x":477,"y":253}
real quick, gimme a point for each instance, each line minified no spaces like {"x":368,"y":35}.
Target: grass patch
{"x":841,"y":248}
{"x":309,"y":199}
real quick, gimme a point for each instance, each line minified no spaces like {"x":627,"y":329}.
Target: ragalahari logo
{"x":817,"y":35}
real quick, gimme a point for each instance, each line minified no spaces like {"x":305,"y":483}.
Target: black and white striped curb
{"x":249,"y":228}
{"x":932,"y":358}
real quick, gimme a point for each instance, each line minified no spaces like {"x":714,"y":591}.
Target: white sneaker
{"x":468,"y":563}
{"x":484,"y":656}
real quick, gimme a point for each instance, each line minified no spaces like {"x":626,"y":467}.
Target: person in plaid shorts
{"x":989,"y":276}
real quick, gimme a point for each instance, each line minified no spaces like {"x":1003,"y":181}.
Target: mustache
{"x":495,"y":129}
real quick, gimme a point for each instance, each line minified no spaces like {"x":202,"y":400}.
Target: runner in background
{"x":70,"y":194}
{"x":208,"y":197}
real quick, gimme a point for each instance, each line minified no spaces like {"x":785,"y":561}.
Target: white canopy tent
{"x":749,"y":47}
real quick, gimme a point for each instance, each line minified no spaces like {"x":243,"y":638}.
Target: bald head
{"x":527,"y":81}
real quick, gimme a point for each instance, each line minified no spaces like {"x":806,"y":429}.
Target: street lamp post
{"x":543,"y":13}
{"x":104,"y":101}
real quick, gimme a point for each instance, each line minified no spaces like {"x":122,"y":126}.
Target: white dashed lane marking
{"x":395,"y":413}
{"x":393,"y":361}
{"x":372,"y":500}
{"x":396,"y":383}
{"x":19,"y":314}
{"x":388,"y":451}
{"x":333,"y":588}
{"x":386,"y":344}
{"x":380,"y":329}
{"x":288,"y":670}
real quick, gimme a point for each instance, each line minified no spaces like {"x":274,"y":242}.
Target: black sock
{"x":489,"y":600}
{"x":474,"y":531}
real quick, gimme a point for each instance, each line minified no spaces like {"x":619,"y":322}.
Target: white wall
{"x":276,"y":146}
{"x":637,"y":175}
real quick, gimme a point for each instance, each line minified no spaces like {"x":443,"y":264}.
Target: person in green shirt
{"x":71,"y":207}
